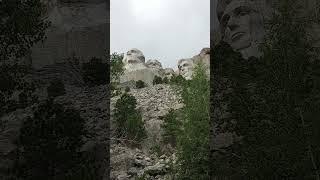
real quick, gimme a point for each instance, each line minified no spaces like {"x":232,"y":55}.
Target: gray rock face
{"x":136,"y":68}
{"x":154,"y":102}
{"x":134,"y":60}
{"x":146,"y":75}
{"x":153,"y":63}
{"x":203,"y":57}
{"x":92,"y":104}
{"x":78,"y":29}
{"x":186,"y":67}
{"x":242,"y":24}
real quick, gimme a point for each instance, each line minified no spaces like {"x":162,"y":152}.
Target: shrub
{"x":116,"y":66}
{"x":157,"y":80}
{"x":140,"y":84}
{"x":179,"y":80}
{"x":56,"y":88}
{"x":12,"y":80}
{"x":193,"y":138}
{"x":128,"y":120}
{"x":127,"y":89}
{"x":165,"y":80}
{"x":51,"y":140}
{"x":171,"y":127}
{"x":22,"y":26}
{"x":95,"y":72}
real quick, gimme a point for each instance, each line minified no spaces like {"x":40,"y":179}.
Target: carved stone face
{"x":185,"y":67}
{"x":154,"y":64}
{"x":169,"y":73}
{"x":241,"y":23}
{"x":134,"y":59}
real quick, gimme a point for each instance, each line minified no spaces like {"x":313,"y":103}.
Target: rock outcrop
{"x":244,"y":33}
{"x":92,"y":103}
{"x":154,"y":102}
{"x":186,"y":66}
{"x":78,"y":28}
{"x":136,"y":69}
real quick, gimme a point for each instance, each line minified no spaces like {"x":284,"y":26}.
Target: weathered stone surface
{"x":146,"y":75}
{"x":244,"y":30}
{"x":134,"y":60}
{"x":78,"y":29}
{"x":92,"y":104}
{"x":153,"y":63}
{"x":136,"y":69}
{"x":186,"y":67}
{"x":169,"y":73}
{"x":154,"y":102}
{"x":203,"y":57}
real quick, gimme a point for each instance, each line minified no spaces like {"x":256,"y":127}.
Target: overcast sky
{"x":166,"y":30}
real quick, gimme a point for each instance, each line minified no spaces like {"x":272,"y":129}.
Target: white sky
{"x":166,"y":30}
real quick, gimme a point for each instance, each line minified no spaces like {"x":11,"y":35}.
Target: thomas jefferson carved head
{"x":154,"y":64}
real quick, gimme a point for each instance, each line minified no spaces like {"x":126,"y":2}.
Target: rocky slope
{"x":93,"y":106}
{"x":126,"y":162}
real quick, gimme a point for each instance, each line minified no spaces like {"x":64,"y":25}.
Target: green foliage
{"x":165,"y":80}
{"x":271,"y":104}
{"x":56,"y":88}
{"x":156,"y":149}
{"x":171,"y":127}
{"x":128,"y":120}
{"x":127,"y":89}
{"x":116,"y":70}
{"x":193,"y":139}
{"x":140,"y":84}
{"x":95,"y":72}
{"x":157,"y":80}
{"x":116,"y":66}
{"x":21,"y":26}
{"x":179,"y":80}
{"x":50,"y":142}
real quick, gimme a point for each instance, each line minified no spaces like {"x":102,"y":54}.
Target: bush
{"x":165,"y":80}
{"x":51,"y":140}
{"x":116,"y":66}
{"x":127,"y":89}
{"x":128,"y":120}
{"x":179,"y":80}
{"x":157,"y":80}
{"x":22,"y":26}
{"x":56,"y":88}
{"x":95,"y":72}
{"x":140,"y":84}
{"x":171,"y":127}
{"x":193,"y":138}
{"x":12,"y":81}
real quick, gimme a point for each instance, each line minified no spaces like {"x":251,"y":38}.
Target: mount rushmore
{"x":241,"y":23}
{"x":136,"y":68}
